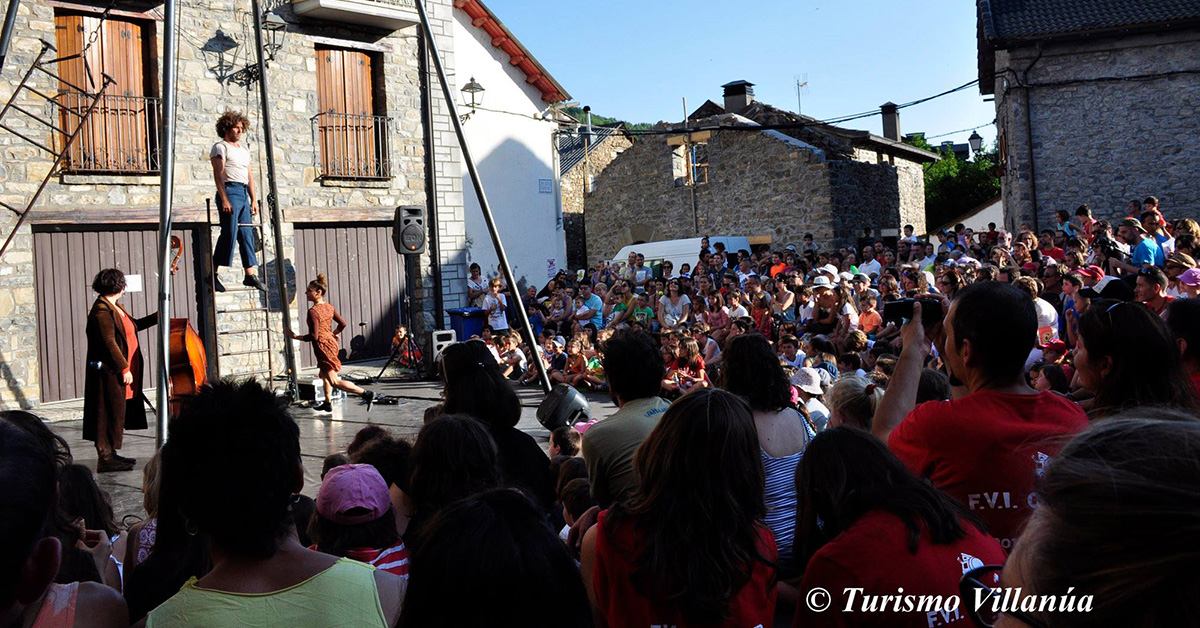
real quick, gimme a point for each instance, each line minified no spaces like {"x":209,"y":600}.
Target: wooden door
{"x":66,"y":260}
{"x":365,"y":278}
{"x":346,"y":124}
{"x":118,"y":136}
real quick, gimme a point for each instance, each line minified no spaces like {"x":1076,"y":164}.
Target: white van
{"x":679,"y":252}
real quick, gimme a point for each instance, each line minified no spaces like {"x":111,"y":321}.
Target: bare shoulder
{"x":100,"y":606}
{"x":392,"y":589}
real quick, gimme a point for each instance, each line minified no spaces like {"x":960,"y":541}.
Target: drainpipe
{"x":435,"y":248}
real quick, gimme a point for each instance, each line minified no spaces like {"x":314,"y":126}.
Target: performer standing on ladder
{"x":323,"y":336}
{"x":236,"y":198}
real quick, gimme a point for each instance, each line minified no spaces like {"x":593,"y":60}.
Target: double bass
{"x":188,"y":364}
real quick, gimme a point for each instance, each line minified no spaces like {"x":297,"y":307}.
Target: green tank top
{"x":343,"y":595}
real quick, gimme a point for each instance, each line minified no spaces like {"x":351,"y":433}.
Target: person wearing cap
{"x":1151,"y":289}
{"x":1189,"y":283}
{"x":807,"y":382}
{"x":354,"y":519}
{"x":1091,"y":274}
{"x":1146,"y":251}
{"x":1177,"y":264}
{"x":1111,"y":288}
{"x":825,"y":314}
{"x":982,"y":448}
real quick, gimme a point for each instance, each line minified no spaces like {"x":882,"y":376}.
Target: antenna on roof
{"x":801,"y":88}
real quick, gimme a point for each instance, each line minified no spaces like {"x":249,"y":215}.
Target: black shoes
{"x":369,"y":397}
{"x":324,"y":406}
{"x":217,"y":285}
{"x":124,"y":459}
{"x":113,"y":465}
{"x":253,"y":282}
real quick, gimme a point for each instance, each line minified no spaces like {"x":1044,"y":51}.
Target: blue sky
{"x":637,"y":60}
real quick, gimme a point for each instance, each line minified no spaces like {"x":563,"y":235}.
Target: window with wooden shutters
{"x":121,"y":135}
{"x":351,"y":135}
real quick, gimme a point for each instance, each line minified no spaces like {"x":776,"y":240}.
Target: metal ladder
{"x":40,"y":64}
{"x":263,"y":306}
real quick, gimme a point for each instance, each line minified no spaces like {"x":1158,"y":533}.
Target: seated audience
{"x":491,"y":560}
{"x":29,"y":557}
{"x":852,"y":401}
{"x":236,"y":454}
{"x":990,"y":462}
{"x":688,"y":547}
{"x":1117,"y":508}
{"x":867,"y":523}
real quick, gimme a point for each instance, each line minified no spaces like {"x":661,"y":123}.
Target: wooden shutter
{"x":345,"y":125}
{"x":117,"y":137}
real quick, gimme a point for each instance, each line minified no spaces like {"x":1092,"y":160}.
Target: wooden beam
{"x":341,"y":214}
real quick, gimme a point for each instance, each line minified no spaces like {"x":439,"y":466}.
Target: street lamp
{"x":274,"y":27}
{"x":976,"y":141}
{"x":474,"y":95}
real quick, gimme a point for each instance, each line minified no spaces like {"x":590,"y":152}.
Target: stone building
{"x":723,"y":175}
{"x":348,"y":110}
{"x":1096,"y":103}
{"x":582,"y":157}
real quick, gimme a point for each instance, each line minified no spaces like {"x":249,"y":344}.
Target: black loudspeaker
{"x":563,"y":406}
{"x":408,"y":233}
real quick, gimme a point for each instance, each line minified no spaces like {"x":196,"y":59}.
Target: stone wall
{"x":910,"y":178}
{"x":863,"y":194}
{"x":206,"y":88}
{"x":574,"y":190}
{"x":758,"y":184}
{"x":1098,"y":141}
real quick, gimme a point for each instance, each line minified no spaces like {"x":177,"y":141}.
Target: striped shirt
{"x":780,"y":498}
{"x":393,"y":559}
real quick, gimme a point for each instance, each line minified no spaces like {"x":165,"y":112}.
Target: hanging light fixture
{"x":275,"y":27}
{"x":473,"y":92}
{"x":976,"y":141}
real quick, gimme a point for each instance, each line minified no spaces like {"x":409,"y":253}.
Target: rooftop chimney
{"x":891,"y":120}
{"x":738,"y":96}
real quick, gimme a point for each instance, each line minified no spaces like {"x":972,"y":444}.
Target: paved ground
{"x":320,"y":433}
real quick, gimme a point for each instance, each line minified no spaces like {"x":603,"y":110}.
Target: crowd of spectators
{"x":957,"y":416}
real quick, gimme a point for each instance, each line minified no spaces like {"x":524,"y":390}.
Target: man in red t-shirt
{"x":1046,"y":246}
{"x":1151,"y":288}
{"x":985,"y":449}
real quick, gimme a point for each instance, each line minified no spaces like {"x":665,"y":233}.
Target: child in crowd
{"x":643,"y":313}
{"x":545,"y":355}
{"x":760,"y":311}
{"x":850,"y":365}
{"x":789,"y":352}
{"x":512,"y":359}
{"x":688,"y":372}
{"x":576,"y":499}
{"x":869,"y":320}
{"x":354,"y":519}
{"x":536,"y":320}
{"x":564,"y":441}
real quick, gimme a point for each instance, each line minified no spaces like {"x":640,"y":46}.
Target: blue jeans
{"x":236,"y":224}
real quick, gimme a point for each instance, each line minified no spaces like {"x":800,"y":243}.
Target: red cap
{"x":1054,"y":345}
{"x":1093,"y":271}
{"x":1030,"y":266}
{"x":352,"y":487}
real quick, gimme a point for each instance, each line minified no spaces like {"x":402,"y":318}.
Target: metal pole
{"x":165,"y":197}
{"x":285,"y":302}
{"x":10,"y":20}
{"x":483,"y":203}
{"x":435,"y":245}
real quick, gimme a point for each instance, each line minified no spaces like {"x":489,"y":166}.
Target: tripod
{"x":405,"y":353}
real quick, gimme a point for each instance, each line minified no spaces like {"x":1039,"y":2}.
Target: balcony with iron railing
{"x":393,"y":14}
{"x":120,"y":137}
{"x":352,"y":146}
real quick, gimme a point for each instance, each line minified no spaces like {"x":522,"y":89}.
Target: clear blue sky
{"x":636,"y":60}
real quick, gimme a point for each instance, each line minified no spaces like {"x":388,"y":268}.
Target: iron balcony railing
{"x":353,"y":146}
{"x":121,"y":136}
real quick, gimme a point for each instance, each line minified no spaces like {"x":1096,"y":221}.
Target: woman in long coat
{"x":112,"y":392}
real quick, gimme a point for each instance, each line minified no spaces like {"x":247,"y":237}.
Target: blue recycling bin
{"x":467,"y":321}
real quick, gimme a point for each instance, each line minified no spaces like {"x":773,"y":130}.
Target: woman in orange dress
{"x":323,"y":336}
